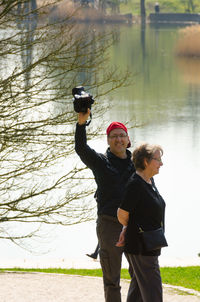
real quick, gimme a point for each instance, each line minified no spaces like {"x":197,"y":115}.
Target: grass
{"x":188,"y":277}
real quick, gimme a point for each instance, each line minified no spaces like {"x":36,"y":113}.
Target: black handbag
{"x":153,"y":240}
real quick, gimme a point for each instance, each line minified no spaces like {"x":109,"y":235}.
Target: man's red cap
{"x":115,"y":125}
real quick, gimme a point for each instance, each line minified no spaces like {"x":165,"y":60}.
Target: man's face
{"x":118,"y":141}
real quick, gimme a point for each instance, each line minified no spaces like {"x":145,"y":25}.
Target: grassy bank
{"x":166,"y":6}
{"x":188,"y":277}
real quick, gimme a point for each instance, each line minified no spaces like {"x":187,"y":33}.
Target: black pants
{"x":146,"y":284}
{"x":108,"y":230}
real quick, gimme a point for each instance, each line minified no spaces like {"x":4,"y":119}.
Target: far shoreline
{"x":85,"y":262}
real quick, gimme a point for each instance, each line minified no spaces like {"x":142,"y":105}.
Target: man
{"x":111,"y":171}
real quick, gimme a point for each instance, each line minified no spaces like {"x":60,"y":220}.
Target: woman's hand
{"x":121,"y":241}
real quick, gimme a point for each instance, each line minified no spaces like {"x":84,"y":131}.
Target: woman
{"x":143,"y":208}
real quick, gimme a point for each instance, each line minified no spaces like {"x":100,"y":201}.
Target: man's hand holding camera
{"x":82,"y":104}
{"x":83,"y":117}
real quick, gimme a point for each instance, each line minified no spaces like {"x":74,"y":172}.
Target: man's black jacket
{"x":111,"y":173}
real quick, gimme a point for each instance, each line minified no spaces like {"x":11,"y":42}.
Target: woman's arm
{"x":123,"y":217}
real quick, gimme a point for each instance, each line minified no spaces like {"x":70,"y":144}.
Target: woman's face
{"x":154,"y":165}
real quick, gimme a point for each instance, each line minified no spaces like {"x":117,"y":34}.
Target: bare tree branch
{"x":40,"y":182}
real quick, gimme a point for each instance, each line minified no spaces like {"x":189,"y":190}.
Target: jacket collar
{"x":109,"y":154}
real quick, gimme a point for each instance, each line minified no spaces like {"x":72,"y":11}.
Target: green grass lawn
{"x":188,"y":277}
{"x":166,"y":6}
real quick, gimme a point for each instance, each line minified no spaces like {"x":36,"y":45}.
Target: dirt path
{"x":42,"y":287}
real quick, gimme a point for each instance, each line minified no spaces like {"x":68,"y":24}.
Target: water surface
{"x":164,"y":99}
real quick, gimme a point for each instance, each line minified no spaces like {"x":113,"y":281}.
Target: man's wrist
{"x":81,"y":124}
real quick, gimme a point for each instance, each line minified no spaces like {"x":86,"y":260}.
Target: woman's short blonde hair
{"x":144,"y":151}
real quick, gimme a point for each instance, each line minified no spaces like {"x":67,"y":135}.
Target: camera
{"x":82,"y":100}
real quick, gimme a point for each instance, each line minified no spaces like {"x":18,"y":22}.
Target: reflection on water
{"x":168,"y":106}
{"x":190,"y":69}
{"x":159,"y":93}
{"x":165,"y":98}
{"x":26,"y":23}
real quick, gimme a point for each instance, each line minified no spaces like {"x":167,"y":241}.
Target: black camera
{"x":82,"y":100}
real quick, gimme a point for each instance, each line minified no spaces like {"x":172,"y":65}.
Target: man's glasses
{"x":116,"y":136}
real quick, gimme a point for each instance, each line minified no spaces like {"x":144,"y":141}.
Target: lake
{"x":163,"y":99}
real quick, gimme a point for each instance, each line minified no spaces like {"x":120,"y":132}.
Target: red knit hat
{"x":115,"y":125}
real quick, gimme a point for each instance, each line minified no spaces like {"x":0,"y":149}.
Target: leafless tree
{"x":42,"y":59}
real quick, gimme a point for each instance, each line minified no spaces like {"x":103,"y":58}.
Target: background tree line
{"x":139,"y":7}
{"x":144,"y":7}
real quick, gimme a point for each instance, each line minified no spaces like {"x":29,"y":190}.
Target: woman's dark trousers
{"x":146,"y":284}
